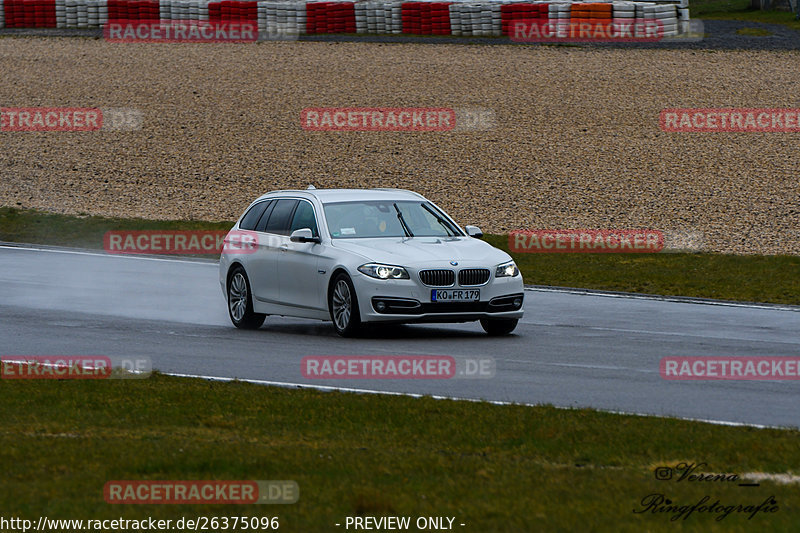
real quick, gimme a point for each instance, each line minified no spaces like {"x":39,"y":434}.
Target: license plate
{"x":455,"y":295}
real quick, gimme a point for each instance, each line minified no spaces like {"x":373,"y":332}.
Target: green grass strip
{"x":740,"y":10}
{"x":494,"y":468}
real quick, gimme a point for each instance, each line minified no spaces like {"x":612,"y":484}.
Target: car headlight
{"x":506,"y":270}
{"x":379,"y":271}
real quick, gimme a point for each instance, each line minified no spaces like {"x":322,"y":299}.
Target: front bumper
{"x":410,"y":301}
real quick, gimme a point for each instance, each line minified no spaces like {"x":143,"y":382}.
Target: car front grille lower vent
{"x":437,"y":278}
{"x":473,"y":276}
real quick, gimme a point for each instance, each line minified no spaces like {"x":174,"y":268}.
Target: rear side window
{"x":279,"y":218}
{"x":304,"y":218}
{"x":250,"y":218}
{"x":262,"y":223}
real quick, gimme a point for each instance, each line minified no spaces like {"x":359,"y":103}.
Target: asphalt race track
{"x":570,"y":350}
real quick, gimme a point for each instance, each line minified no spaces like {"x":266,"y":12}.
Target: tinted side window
{"x":304,"y":218}
{"x":251,"y":217}
{"x":279,"y":218}
{"x":262,"y":223}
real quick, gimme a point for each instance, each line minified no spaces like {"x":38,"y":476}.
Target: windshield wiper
{"x":440,"y":220}
{"x":406,"y":229}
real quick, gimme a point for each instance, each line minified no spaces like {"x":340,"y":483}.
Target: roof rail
{"x":290,"y":190}
{"x":391,"y":189}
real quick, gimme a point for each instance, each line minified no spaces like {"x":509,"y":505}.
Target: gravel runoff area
{"x":717,"y":35}
{"x":576,"y":141}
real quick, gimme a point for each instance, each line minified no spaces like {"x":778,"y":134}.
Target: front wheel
{"x":499,"y":326}
{"x":343,"y":306}
{"x":240,"y":302}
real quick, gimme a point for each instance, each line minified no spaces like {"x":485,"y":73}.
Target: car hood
{"x":425,"y":251}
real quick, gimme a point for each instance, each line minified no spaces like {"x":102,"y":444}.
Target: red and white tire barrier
{"x":29,"y":13}
{"x":330,"y":17}
{"x":275,"y":18}
{"x":665,"y":14}
{"x":81,"y":14}
{"x":426,"y":18}
{"x":129,"y":10}
{"x":522,"y":11}
{"x":476,"y":18}
{"x":379,"y":17}
{"x":295,"y":17}
{"x":233,"y":11}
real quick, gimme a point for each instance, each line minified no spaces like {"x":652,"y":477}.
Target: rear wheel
{"x":499,"y":326}
{"x":240,"y":302}
{"x":343,"y":306}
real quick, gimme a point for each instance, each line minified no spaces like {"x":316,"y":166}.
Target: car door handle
{"x":284,"y":247}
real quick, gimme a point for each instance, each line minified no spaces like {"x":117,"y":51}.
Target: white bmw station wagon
{"x":356,"y":256}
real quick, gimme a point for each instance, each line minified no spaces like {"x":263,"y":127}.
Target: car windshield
{"x":363,"y":219}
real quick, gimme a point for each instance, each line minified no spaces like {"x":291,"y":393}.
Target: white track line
{"x":102,"y":254}
{"x":656,"y":297}
{"x":477,"y":400}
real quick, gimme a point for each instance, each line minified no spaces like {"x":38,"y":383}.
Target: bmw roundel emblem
{"x":454,"y":263}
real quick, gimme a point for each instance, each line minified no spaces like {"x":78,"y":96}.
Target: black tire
{"x":343,"y":306}
{"x":240,"y":301}
{"x":499,"y":326}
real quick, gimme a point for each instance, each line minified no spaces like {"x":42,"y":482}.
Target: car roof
{"x":343,"y":195}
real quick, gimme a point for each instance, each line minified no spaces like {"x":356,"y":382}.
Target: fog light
{"x":380,"y":306}
{"x":517,"y":302}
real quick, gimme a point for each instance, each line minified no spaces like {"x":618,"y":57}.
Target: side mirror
{"x":474,"y":231}
{"x":304,"y":235}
